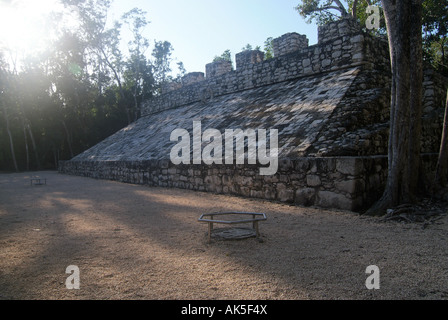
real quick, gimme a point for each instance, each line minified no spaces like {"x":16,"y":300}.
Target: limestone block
{"x":269,"y":193}
{"x":217,"y":68}
{"x":246,"y":58}
{"x":305,"y":196}
{"x":329,"y":199}
{"x":326,"y":63}
{"x":285,"y":165}
{"x":313,"y":180}
{"x":285,"y":195}
{"x":306,"y":63}
{"x":256,"y":194}
{"x":288,"y":43}
{"x":192,"y":77}
{"x":348,"y":166}
{"x":336,"y":54}
{"x":350,"y":186}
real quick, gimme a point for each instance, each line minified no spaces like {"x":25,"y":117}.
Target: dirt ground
{"x":139,"y":242}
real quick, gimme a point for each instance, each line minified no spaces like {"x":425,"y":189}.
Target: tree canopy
{"x":434,"y":23}
{"x":80,"y":88}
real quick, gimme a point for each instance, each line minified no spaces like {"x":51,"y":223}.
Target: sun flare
{"x":23,"y":24}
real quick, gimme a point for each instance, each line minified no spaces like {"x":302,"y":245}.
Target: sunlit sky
{"x":22,"y":24}
{"x":201,"y":29}
{"x":198,"y":30}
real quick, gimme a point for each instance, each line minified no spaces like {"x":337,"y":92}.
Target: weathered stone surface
{"x":329,"y":199}
{"x":285,"y":194}
{"x":313,"y":180}
{"x":350,"y":186}
{"x":305,"y":196}
{"x":247,"y":58}
{"x":298,"y":109}
{"x":349,"y":166}
{"x":288,"y":43}
{"x":218,"y":68}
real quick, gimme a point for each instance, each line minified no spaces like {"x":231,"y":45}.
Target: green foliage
{"x":434,"y":31}
{"x":269,"y":48}
{"x":321,"y":11}
{"x":362,"y":14}
{"x":162,"y":62}
{"x":226,"y":56}
{"x":248,"y":47}
{"x":435,"y":34}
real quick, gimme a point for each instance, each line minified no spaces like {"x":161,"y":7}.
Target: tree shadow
{"x":138,"y":242}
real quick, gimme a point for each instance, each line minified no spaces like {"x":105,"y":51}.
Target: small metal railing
{"x":210,"y":219}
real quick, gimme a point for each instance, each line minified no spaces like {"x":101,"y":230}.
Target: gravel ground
{"x":139,"y":242}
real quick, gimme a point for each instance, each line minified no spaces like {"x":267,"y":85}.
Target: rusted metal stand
{"x":38,"y":181}
{"x":254,"y":218}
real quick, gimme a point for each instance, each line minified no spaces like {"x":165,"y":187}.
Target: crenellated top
{"x":217,"y":68}
{"x":341,"y":44}
{"x":344,"y":27}
{"x":248,"y":57}
{"x":289,"y":42}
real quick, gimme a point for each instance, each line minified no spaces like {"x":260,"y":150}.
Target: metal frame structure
{"x":256,"y":217}
{"x":38,"y":181}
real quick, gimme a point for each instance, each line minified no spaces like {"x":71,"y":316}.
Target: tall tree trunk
{"x":416,"y":86}
{"x":26,"y":146}
{"x":33,"y":143}
{"x":120,"y":87}
{"x":55,"y":157}
{"x":136,"y":108}
{"x":137,"y":76}
{"x":440,"y":178}
{"x":11,"y":143}
{"x":69,"y":139}
{"x":403,"y":20}
{"x":355,"y":10}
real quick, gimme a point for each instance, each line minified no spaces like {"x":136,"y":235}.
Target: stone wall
{"x":246,"y":58}
{"x":288,"y":43}
{"x":217,"y":68}
{"x":434,"y":92}
{"x":336,"y":50}
{"x":348,"y":183}
{"x":345,"y":183}
{"x":192,"y":77}
{"x":334,"y":29}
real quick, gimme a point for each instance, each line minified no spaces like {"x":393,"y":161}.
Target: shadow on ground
{"x":139,"y":242}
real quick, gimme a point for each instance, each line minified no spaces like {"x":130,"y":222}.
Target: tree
{"x":269,"y":48}
{"x":404,"y":31}
{"x":435,"y":35}
{"x":225,"y":56}
{"x":162,"y":62}
{"x":138,"y":73}
{"x":138,"y":81}
{"x":247,"y":47}
{"x":101,"y":43}
{"x":4,"y":95}
{"x":330,"y":10}
{"x":80,"y":89}
{"x":404,"y":25}
{"x":182,"y":70}
{"x":441,"y":172}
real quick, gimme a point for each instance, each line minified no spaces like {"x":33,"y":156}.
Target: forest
{"x":80,"y":88}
